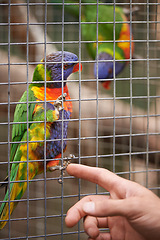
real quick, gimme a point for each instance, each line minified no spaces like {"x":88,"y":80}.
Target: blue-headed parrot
{"x":45,"y":112}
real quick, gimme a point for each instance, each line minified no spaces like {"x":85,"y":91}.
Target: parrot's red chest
{"x":51,"y":94}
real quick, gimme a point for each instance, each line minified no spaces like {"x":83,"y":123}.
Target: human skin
{"x":131,"y":212}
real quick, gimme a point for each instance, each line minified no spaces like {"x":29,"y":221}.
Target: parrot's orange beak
{"x":106,"y":85}
{"x":76,"y":68}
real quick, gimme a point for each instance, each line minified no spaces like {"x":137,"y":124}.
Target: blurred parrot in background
{"x":27,"y":153}
{"x":106,"y":35}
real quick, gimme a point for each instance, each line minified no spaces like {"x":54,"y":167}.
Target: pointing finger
{"x":100,"y":176}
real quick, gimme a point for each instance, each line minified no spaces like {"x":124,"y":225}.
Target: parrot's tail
{"x":9,"y":203}
{"x":17,"y":187}
{"x":6,"y":209}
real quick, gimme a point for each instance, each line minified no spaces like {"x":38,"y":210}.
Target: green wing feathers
{"x":20,"y":116}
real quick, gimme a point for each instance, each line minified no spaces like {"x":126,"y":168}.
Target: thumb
{"x":109,"y":207}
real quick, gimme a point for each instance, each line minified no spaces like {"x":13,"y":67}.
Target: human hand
{"x":131,"y":212}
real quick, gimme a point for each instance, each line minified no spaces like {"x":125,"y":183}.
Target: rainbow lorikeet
{"x":29,"y":138}
{"x":106,"y":45}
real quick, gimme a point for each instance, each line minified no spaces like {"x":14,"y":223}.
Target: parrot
{"x":104,"y":61}
{"x":44,"y":102}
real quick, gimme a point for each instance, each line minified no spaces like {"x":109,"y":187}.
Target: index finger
{"x":100,"y":176}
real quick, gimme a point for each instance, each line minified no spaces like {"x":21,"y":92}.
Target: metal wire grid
{"x":49,"y":221}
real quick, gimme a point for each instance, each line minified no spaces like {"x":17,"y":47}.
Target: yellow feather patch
{"x":125,"y":36}
{"x":35,"y":134}
{"x":110,"y":51}
{"x":41,"y":71}
{"x":100,"y":38}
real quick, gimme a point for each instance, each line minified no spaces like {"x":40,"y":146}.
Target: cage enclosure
{"x":116,"y":128}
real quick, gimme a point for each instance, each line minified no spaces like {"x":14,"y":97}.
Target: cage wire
{"x":116,"y":129}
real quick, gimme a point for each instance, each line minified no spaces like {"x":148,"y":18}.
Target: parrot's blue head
{"x":54,"y":66}
{"x":105,"y":68}
{"x":53,"y":72}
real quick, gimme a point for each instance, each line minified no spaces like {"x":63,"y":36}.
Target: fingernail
{"x":89,"y":207}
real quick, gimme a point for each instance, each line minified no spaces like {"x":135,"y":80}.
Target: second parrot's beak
{"x":77,"y":68}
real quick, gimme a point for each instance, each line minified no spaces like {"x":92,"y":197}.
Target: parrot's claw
{"x":58,"y":102}
{"x":68,"y":159}
{"x":66,"y":162}
{"x":58,"y":167}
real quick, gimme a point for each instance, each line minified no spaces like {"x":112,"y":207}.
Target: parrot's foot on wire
{"x":67,"y":161}
{"x":58,"y":102}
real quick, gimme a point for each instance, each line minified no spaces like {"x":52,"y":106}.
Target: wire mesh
{"x":116,"y":129}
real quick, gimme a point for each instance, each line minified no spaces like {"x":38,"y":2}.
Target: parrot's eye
{"x":65,"y":66}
